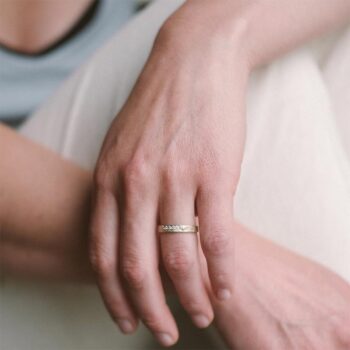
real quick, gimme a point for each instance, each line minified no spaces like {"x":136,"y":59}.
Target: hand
{"x":283,"y":301}
{"x":173,"y":151}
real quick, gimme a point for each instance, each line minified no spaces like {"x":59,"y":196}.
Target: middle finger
{"x":139,"y":265}
{"x":181,"y":258}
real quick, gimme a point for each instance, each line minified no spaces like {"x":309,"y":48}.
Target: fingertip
{"x":202,"y":321}
{"x":126,"y":326}
{"x":165,"y":339}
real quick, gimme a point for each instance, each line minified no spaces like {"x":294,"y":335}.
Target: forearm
{"x":261,"y":30}
{"x":277,"y":26}
{"x":44,"y":200}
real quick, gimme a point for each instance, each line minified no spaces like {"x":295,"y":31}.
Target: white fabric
{"x":294,"y":188}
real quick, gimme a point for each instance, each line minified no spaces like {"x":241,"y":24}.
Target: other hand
{"x":283,"y":301}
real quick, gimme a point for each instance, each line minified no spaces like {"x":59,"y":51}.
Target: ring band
{"x":170,"y":228}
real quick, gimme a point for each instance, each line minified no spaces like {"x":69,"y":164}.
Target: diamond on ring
{"x":174,"y":228}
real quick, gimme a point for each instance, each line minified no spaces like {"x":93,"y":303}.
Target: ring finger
{"x":181,"y":258}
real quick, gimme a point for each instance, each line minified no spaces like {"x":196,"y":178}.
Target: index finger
{"x":103,"y":255}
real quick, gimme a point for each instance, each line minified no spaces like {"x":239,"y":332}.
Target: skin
{"x":230,"y":34}
{"x":174,"y":152}
{"x":304,"y":305}
{"x":22,"y":22}
{"x":52,"y":204}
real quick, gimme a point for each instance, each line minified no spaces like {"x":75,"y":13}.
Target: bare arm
{"x":44,"y":200}
{"x":265,"y":28}
{"x":275,"y":27}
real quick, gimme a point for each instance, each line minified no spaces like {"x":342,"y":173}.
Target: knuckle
{"x":178,"y":263}
{"x":153,"y":321}
{"x":217,"y":181}
{"x":133,"y":273}
{"x":116,"y":307}
{"x":101,"y":263}
{"x":209,"y":163}
{"x":101,"y":178}
{"x":135,"y":175}
{"x":216,"y":242}
{"x":169,"y":181}
{"x":171,"y":177}
{"x":192,"y":306}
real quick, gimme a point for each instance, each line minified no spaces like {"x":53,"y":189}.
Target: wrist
{"x":206,"y":30}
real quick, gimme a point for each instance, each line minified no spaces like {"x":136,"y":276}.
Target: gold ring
{"x":171,"y":228}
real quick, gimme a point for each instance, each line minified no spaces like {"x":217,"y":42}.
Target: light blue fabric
{"x":25,"y":82}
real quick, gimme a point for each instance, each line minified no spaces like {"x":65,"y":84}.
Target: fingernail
{"x":125,"y":326}
{"x":223,"y":294}
{"x":165,"y":339}
{"x":201,"y":321}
